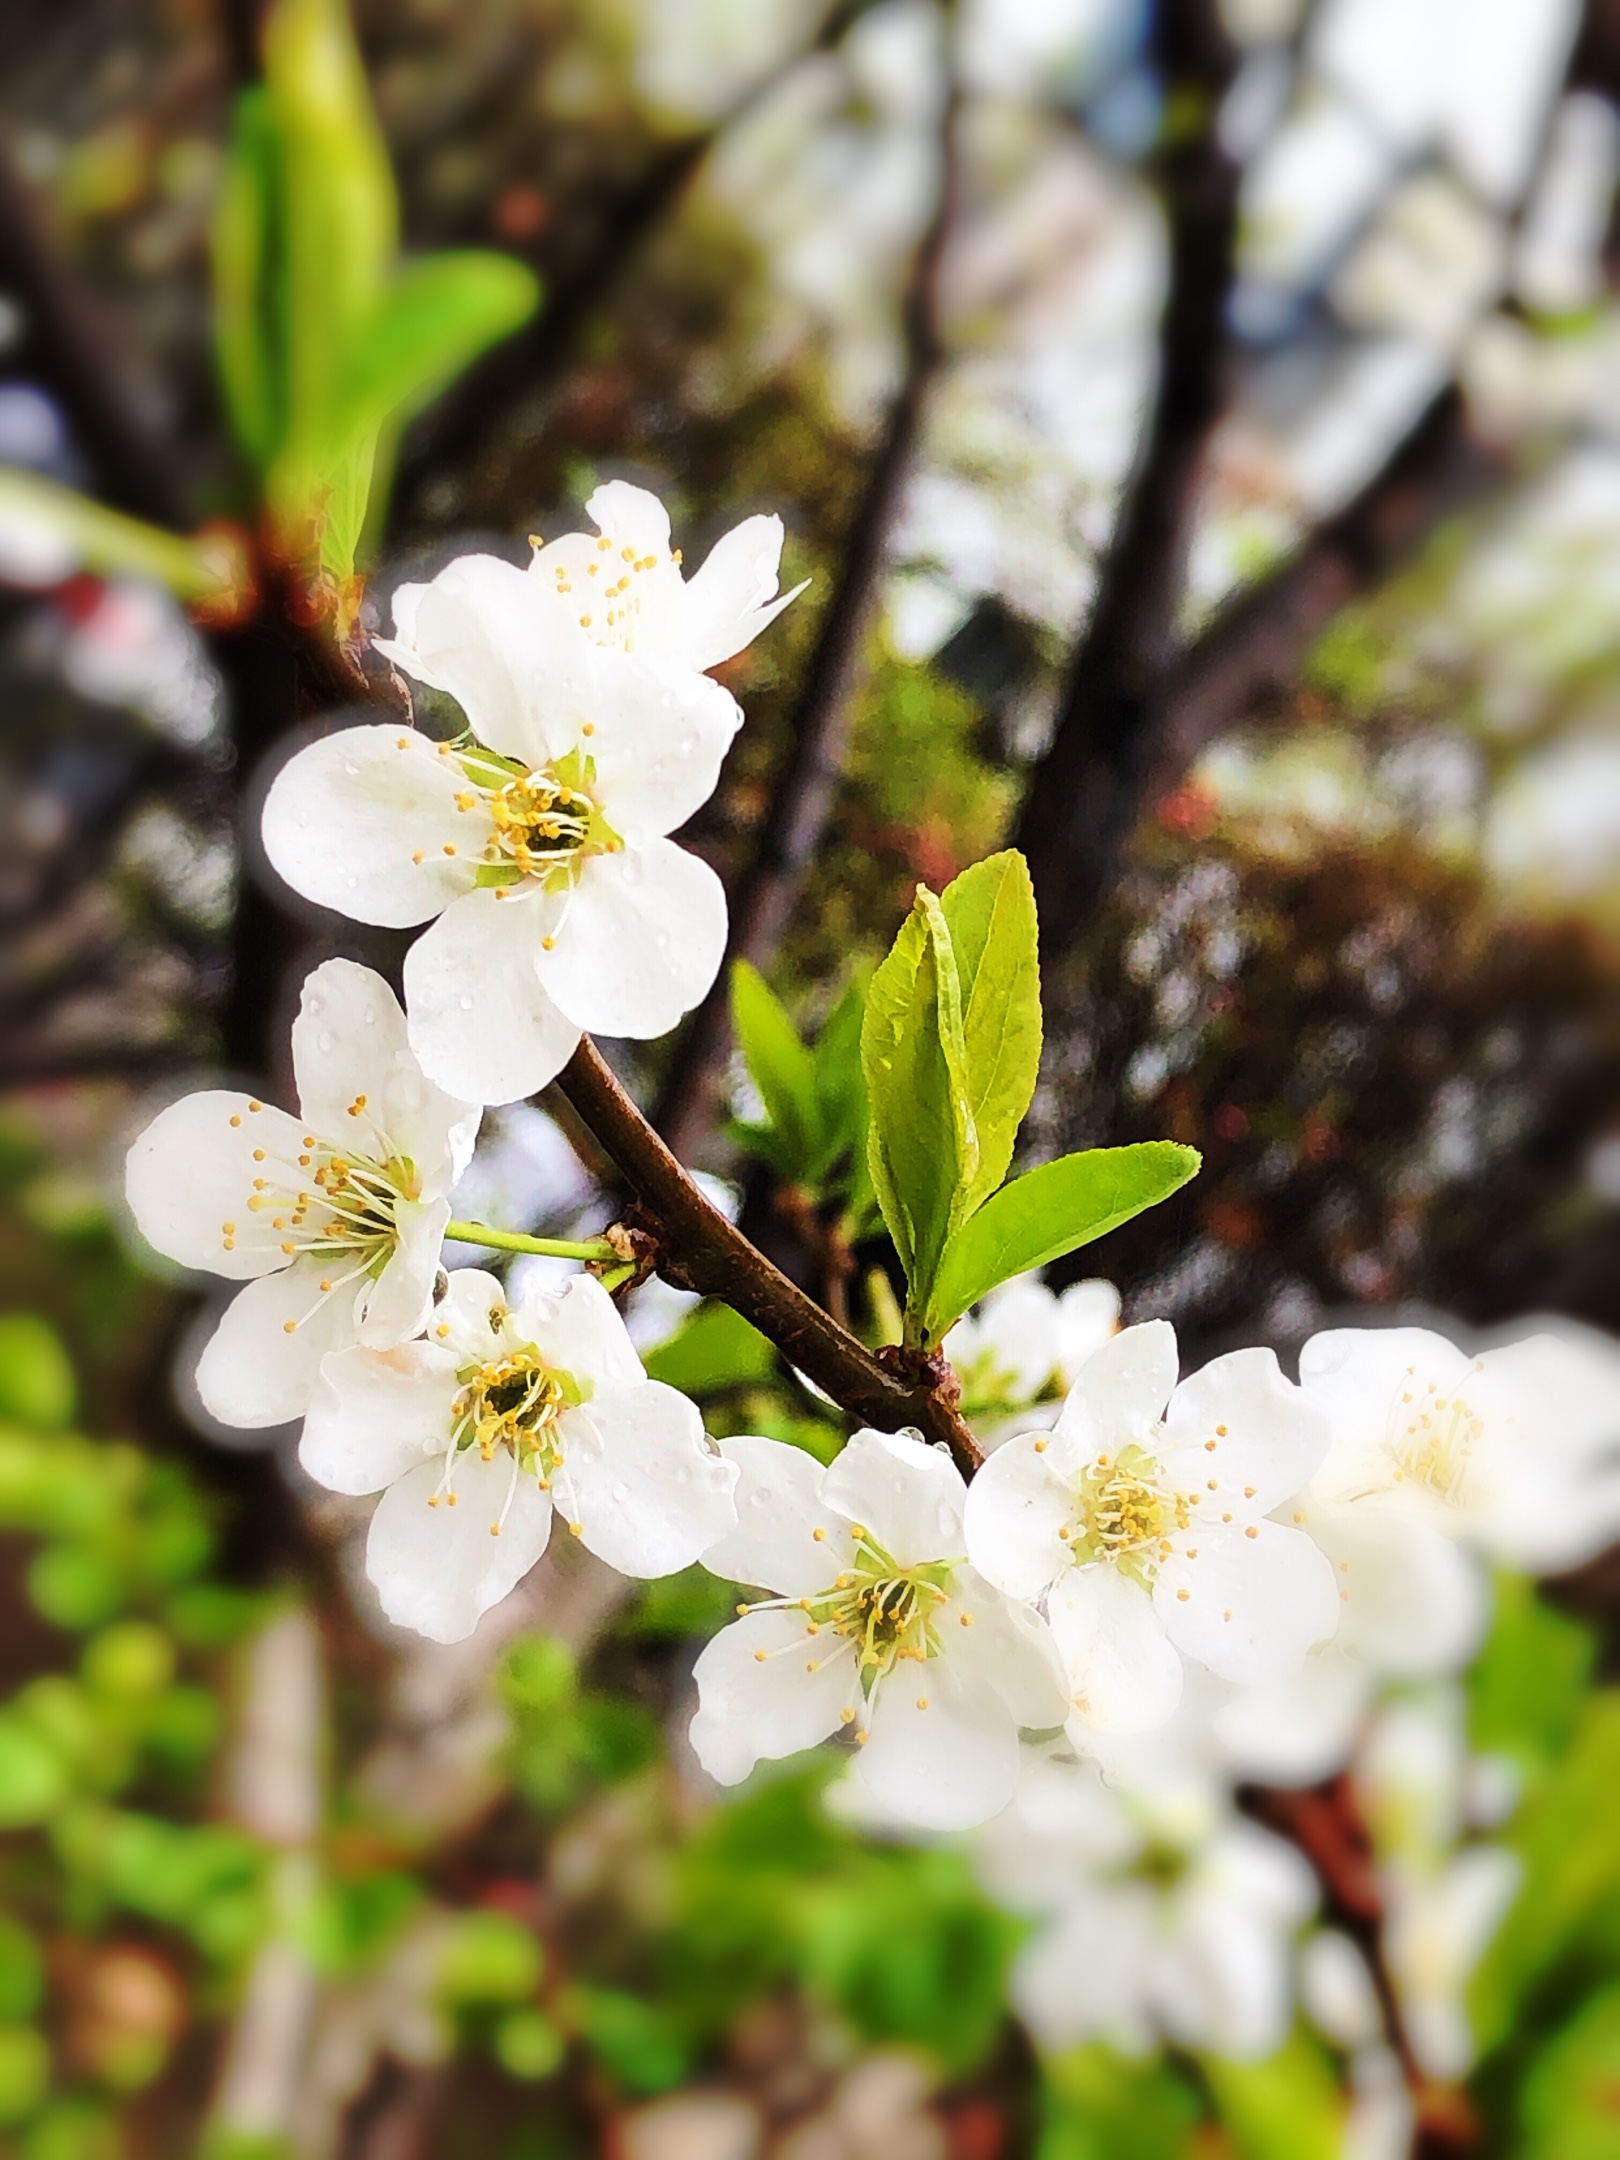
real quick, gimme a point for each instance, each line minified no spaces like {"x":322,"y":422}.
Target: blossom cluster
{"x":1156,"y":1585}
{"x":535,"y":845}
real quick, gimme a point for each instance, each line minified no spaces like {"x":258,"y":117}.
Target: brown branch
{"x":466,"y":421}
{"x":1081,"y":789}
{"x":804,"y":790}
{"x":702,"y":1251}
{"x":1326,"y":1824}
{"x":1253,"y":649}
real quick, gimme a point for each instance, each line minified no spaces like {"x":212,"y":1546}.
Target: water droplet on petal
{"x":621,"y":1493}
{"x":352,"y":770}
{"x":688,"y":744}
{"x":762,"y":1496}
{"x":325,"y":1042}
{"x":466,"y":1004}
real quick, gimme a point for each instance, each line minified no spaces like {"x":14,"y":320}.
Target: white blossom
{"x":1025,"y":1340}
{"x":1142,"y":1521}
{"x":503,"y":1416}
{"x":1516,"y":1451}
{"x":333,"y":1219}
{"x":1444,"y":1897}
{"x":539,"y":841}
{"x":878,"y":1625}
{"x":1143,"y":1936}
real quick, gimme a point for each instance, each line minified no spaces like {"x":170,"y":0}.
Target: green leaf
{"x":1050,"y":1212}
{"x":922,"y":1147}
{"x":36,"y":1378}
{"x":1570,"y":2103}
{"x":1564,"y":1837}
{"x":438,"y":314}
{"x":1098,"y":2105}
{"x":1287,"y":2107}
{"x":248,"y":337}
{"x":717,"y":1348}
{"x":781,"y":1068}
{"x":840,"y":1083}
{"x":991,"y":912}
{"x":1526,"y":1686}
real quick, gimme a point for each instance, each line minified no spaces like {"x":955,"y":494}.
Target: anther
{"x":236,"y":1121}
{"x":1252,"y":1530}
{"x":449,"y":847}
{"x":1041,"y":1447}
{"x":820,"y":1536}
{"x":964,"y":1619}
{"x":1183,"y":1595}
{"x":922,"y":1702}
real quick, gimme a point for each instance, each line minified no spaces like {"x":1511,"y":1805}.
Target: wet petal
{"x":908,"y":1495}
{"x":191,"y":1173}
{"x":366,"y":822}
{"x":942,"y":1747}
{"x":754,"y":1709}
{"x":482,"y":1025}
{"x":376,"y":1414}
{"x":1124,"y":1675}
{"x":640,"y":944}
{"x":780,"y":1509}
{"x":439,"y":1569}
{"x":1017,"y":1506}
{"x":264,"y":1358}
{"x":1254,"y":1602}
{"x":650,"y":1496}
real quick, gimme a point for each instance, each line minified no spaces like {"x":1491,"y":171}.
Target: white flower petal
{"x":779,"y":1510}
{"x":1017,"y":1334}
{"x":1016,"y":1506}
{"x":438,"y":1569}
{"x":191,"y":1172}
{"x":658,"y":741}
{"x":481,"y":1024}
{"x":349,"y":1046}
{"x":1357,"y":1378}
{"x":1087,"y":1317}
{"x":1299,"y":1730}
{"x":942,"y":1747}
{"x":376,"y":1413}
{"x":1009,"y":1646}
{"x":1088,"y":1973}
{"x":754,"y":1710}
{"x":464,"y":1318}
{"x":640,"y":944}
{"x":346,"y":820}
{"x":1413,"y":1602}
{"x":1124,"y":1676}
{"x":1122,"y":1389}
{"x":1267,"y":1438}
{"x":396,"y":1306}
{"x":578,"y":1329}
{"x":908,"y":1495}
{"x":733,"y":596}
{"x":630,"y":516}
{"x":476,"y":633}
{"x":1255,"y":1602}
{"x":255,"y":1371}
{"x":650,"y":1496}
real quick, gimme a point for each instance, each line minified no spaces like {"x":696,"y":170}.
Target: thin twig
{"x":1079,"y":791}
{"x":803,"y":792}
{"x":700,"y":1250}
{"x":1326,"y":1824}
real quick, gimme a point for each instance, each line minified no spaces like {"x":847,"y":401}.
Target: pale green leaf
{"x":922,"y":1148}
{"x":248,"y":331}
{"x":1049,"y":1212}
{"x":991,"y":912}
{"x":437,"y":315}
{"x":781,"y":1068}
{"x":1285,"y":2107}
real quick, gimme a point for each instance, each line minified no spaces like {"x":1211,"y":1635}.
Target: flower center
{"x":1124,"y":1516}
{"x":515,"y":1402}
{"x":340,"y":1206}
{"x":884,"y":1611}
{"x":542,"y":823}
{"x":1431,"y":1437}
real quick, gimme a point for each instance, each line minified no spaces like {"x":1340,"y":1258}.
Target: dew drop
{"x":762,"y":1496}
{"x":352,"y":770}
{"x":466,"y":1004}
{"x":325,"y":1042}
{"x":621,"y":1493}
{"x":688,"y":744}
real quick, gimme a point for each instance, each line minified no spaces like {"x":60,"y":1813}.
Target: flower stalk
{"x":593,"y":1251}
